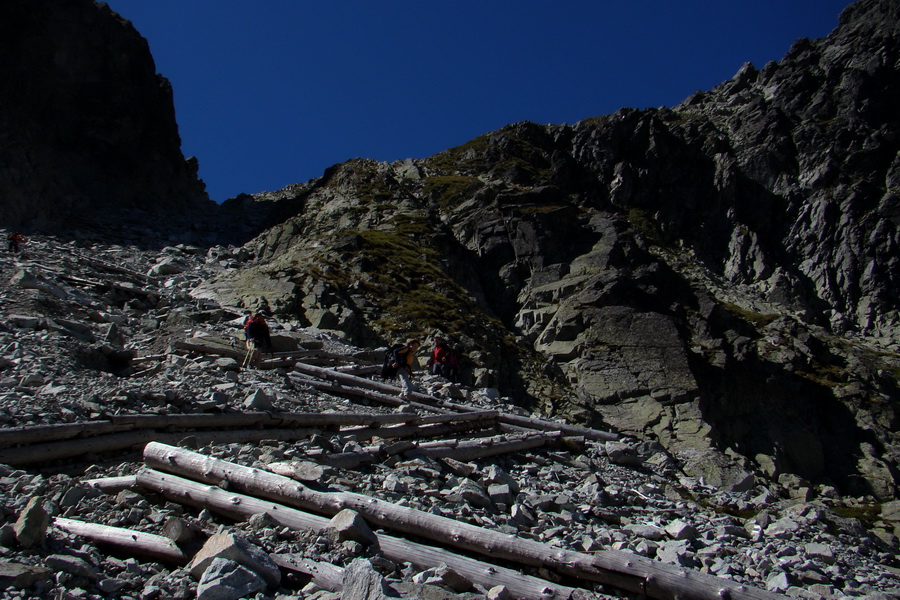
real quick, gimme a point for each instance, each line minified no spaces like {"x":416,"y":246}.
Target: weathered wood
{"x":112,"y":485}
{"x":238,"y":506}
{"x":39,"y":453}
{"x":12,"y":436}
{"x":325,"y":575}
{"x":139,"y":543}
{"x":422,"y":431}
{"x":482,"y":448}
{"x":621,"y":569}
{"x":351,"y":381}
{"x":180,"y":531}
{"x":263,"y":419}
{"x":234,"y":352}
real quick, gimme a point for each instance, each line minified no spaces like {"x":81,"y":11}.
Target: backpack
{"x":388,"y":370}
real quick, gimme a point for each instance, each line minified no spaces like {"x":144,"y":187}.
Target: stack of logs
{"x":239,"y":492}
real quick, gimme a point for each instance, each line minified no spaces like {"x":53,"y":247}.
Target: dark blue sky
{"x":273,"y":92}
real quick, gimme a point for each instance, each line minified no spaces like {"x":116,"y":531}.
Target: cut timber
{"x":238,"y":506}
{"x":385,"y":389}
{"x":493,"y":446}
{"x":423,"y":431}
{"x":152,"y":546}
{"x":325,"y":575}
{"x":13,"y":436}
{"x":112,"y":485}
{"x":620,"y":569}
{"x":39,"y":453}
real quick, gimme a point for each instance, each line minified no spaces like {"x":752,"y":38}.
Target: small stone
{"x":350,"y":525}
{"x":679,"y":530}
{"x":498,"y":592}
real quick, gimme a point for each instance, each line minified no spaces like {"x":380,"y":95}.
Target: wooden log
{"x":133,"y":542}
{"x":420,"y":431}
{"x":39,"y":453}
{"x":325,"y":575}
{"x":525,"y":422}
{"x":475,"y":449}
{"x":112,"y":485}
{"x":620,"y":569}
{"x":260,"y":419}
{"x":239,"y":506}
{"x":234,"y":352}
{"x":13,"y":436}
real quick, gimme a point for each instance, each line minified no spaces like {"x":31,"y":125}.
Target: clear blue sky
{"x":273,"y":92}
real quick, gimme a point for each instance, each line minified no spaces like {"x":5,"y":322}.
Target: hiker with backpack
{"x":256,"y":332}
{"x":404,"y":360}
{"x":15,"y":238}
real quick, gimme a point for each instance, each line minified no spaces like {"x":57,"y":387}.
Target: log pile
{"x":239,"y":492}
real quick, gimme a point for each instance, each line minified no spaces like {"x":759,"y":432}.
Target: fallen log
{"x":139,"y":543}
{"x":483,"y":448}
{"x":38,"y":453}
{"x":112,"y":485}
{"x":13,"y":436}
{"x":325,"y":575}
{"x":422,"y":431}
{"x":238,"y":506}
{"x":263,"y":419}
{"x":514,"y":420}
{"x":620,"y":569}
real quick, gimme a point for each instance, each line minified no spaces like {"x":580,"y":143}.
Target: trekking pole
{"x":247,"y":357}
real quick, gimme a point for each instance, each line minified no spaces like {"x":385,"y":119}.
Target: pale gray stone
{"x":227,"y":580}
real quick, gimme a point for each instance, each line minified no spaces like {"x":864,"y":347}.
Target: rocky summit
{"x":714,"y":285}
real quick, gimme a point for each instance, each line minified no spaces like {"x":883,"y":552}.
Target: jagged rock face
{"x":87,"y":127}
{"x":682,"y":274}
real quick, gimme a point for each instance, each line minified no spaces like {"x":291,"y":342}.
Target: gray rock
{"x":679,"y":530}
{"x":20,"y":577}
{"x":71,"y":564}
{"x":363,"y":582}
{"x":350,"y":525}
{"x":31,"y":525}
{"x":259,"y":400}
{"x":239,"y":550}
{"x":227,"y":580}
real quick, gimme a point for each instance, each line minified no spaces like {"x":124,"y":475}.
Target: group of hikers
{"x":400,"y":360}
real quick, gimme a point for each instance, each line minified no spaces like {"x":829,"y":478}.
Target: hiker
{"x":256,"y":331}
{"x":404,"y":360}
{"x":14,"y":239}
{"x":453,"y":364}
{"x":438,"y":358}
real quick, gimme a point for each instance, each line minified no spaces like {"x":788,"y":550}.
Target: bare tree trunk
{"x":139,"y":543}
{"x":391,"y":391}
{"x":39,"y":453}
{"x":238,"y":506}
{"x":112,"y":485}
{"x":620,"y":569}
{"x":325,"y":575}
{"x":495,"y":446}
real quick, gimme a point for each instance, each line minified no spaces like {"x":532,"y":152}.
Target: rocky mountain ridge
{"x":88,"y":137}
{"x":719,"y":276}
{"x":93,"y":336}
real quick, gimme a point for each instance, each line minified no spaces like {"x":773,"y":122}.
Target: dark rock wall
{"x":86,"y":124}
